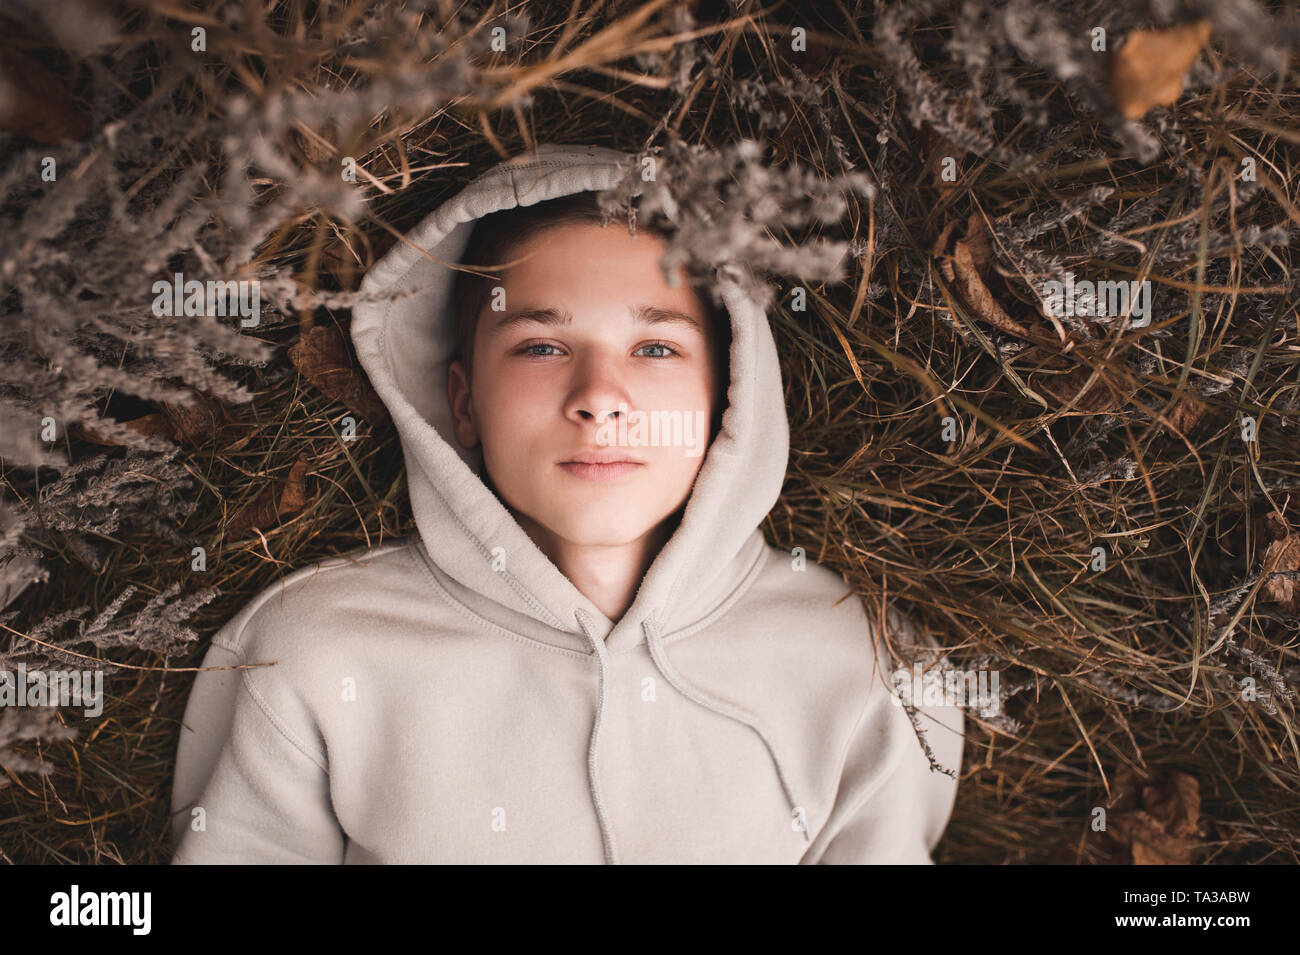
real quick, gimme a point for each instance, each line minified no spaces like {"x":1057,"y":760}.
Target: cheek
{"x":695,"y":389}
{"x":512,"y":407}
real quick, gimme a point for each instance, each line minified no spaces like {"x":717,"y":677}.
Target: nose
{"x":596,"y":393}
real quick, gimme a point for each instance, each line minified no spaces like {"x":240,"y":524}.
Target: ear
{"x":458,"y":398}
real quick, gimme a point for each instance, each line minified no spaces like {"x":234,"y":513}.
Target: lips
{"x":600,"y":465}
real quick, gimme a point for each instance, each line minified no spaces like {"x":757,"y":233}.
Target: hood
{"x":404,"y":331}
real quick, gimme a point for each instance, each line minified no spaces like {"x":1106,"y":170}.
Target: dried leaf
{"x":1188,"y":413}
{"x":201,"y":419}
{"x":970,"y":286}
{"x":1148,"y":70}
{"x":967,"y":265}
{"x":150,"y":426}
{"x":1150,"y":843}
{"x":1284,"y":547}
{"x":293,"y":497}
{"x":1159,"y":819}
{"x":282,"y":500}
{"x":942,"y":249}
{"x":259,"y":513}
{"x":980,"y":242}
{"x":35,"y":103}
{"x":1105,"y":395}
{"x":195,"y":422}
{"x":321,"y":355}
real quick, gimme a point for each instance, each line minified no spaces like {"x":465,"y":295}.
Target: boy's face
{"x":546,"y":390}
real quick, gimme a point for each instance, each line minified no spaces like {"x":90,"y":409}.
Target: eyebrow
{"x":645,"y":314}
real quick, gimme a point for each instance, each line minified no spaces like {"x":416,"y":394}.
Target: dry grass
{"x":1123,"y":686}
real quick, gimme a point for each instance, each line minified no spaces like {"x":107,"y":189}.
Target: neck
{"x":606,"y":574}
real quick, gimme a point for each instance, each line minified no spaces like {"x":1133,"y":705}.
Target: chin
{"x":597,"y":527}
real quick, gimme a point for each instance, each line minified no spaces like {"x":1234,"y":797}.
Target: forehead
{"x":585,"y":269}
{"x":605,"y":256}
{"x":642,"y":314}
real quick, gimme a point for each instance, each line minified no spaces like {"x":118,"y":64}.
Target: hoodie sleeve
{"x":890,"y":806}
{"x":263,"y":789}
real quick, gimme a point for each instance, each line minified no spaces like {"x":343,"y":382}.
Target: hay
{"x":924,"y":171}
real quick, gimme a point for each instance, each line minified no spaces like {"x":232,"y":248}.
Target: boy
{"x":588,"y":652}
{"x":600,"y":513}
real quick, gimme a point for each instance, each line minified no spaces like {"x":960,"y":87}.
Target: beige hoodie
{"x":454,"y":698}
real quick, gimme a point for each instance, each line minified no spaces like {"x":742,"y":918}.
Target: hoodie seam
{"x":489,"y":625}
{"x":280,"y":725}
{"x":722,"y":609}
{"x":882,"y":778}
{"x":513,"y":582}
{"x":234,"y":644}
{"x":829,"y":801}
{"x":318,"y":568}
{"x":272,"y":717}
{"x":538,"y":164}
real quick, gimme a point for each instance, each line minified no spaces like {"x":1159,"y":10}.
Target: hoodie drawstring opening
{"x":691,"y":692}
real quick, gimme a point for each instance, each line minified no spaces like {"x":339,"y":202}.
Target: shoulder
{"x":791,"y":584}
{"x":794,"y":593}
{"x":308,"y":605}
{"x":288,"y":642}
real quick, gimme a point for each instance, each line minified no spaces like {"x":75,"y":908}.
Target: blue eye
{"x":528,"y":349}
{"x":663,"y":345}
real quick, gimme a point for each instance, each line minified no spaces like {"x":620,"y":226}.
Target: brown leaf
{"x":323,"y":359}
{"x":1150,"y":843}
{"x":35,"y":103}
{"x":980,"y":242}
{"x":1104,"y":396}
{"x":1166,"y":829}
{"x":1148,"y":70}
{"x":282,"y":500}
{"x":293,"y":496}
{"x":199,"y":420}
{"x":194,"y":422}
{"x":1187,"y":414}
{"x":966,"y":264}
{"x":260,"y":512}
{"x":152,"y":425}
{"x":943,"y":249}
{"x":976,"y":294}
{"x":1174,"y":799}
{"x":1284,"y":547}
